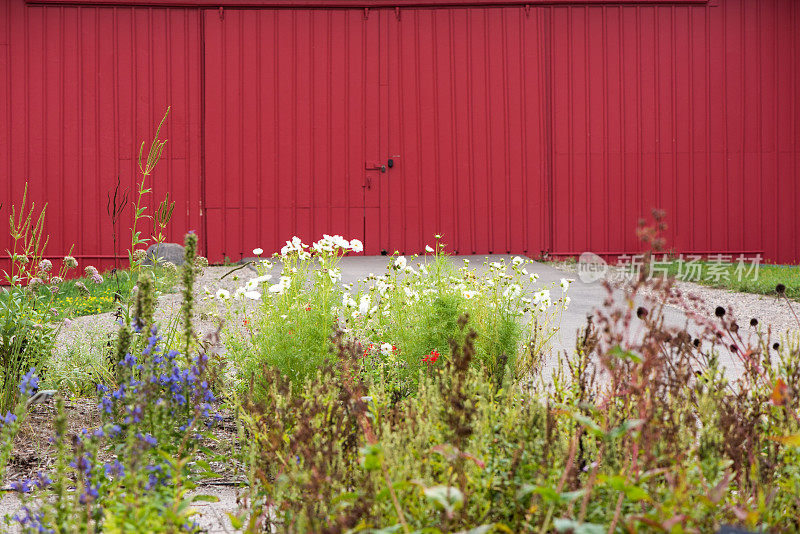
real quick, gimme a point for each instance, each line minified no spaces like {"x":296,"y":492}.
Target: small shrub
{"x":134,"y":472}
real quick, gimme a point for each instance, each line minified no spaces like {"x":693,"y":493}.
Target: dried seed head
{"x":734,"y":348}
{"x":641,"y":312}
{"x":696,"y":342}
{"x":776,"y":346}
{"x":734,"y":327}
{"x":720,"y":311}
{"x":780,"y":289}
{"x":753,"y":322}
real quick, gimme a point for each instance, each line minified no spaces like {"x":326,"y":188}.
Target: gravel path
{"x":770,"y":311}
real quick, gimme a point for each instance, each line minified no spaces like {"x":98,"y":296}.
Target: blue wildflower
{"x":22,"y":486}
{"x":7,"y":419}
{"x":29,"y":383}
{"x":114,"y":469}
{"x":128,"y":361}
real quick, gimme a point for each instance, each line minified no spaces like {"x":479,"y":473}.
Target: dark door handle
{"x":375,"y":166}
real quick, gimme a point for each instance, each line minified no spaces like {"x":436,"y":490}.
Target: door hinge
{"x":397,"y":12}
{"x":527,"y":10}
{"x":221,"y":13}
{"x":366,"y":13}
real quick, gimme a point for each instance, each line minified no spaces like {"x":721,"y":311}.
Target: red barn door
{"x":383,"y":125}
{"x":288,"y":128}
{"x":467,"y":130}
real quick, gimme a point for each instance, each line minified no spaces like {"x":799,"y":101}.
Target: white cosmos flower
{"x":567,"y":300}
{"x":239,"y":293}
{"x":496,"y":265}
{"x":253,"y":295}
{"x":565,"y":284}
{"x":356,"y":245}
{"x":400,"y":262}
{"x":253,"y":283}
{"x":258,"y":251}
{"x":341,"y":242}
{"x":386,"y":349}
{"x":295,"y":245}
{"x":512,"y":291}
{"x":469,"y":294}
{"x":542,"y":298}
{"x":335,"y":275}
{"x":223,"y":294}
{"x":517,"y":261}
{"x":534,"y":277}
{"x":410,"y":294}
{"x":348,"y":301}
{"x":429,"y":249}
{"x":282,"y":285}
{"x":277,"y":289}
{"x":322,"y":247}
{"x":364,"y":304}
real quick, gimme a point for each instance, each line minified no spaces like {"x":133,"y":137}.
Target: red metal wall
{"x":302,"y":105}
{"x":80,"y":88}
{"x":521,"y":129}
{"x":692,"y":109}
{"x":289,"y":119}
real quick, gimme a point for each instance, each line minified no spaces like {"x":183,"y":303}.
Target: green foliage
{"x":27,"y":308}
{"x":146,"y":168}
{"x":747,"y":278}
{"x":626,"y":435}
{"x":404,"y":317}
{"x":134,"y":472}
{"x":290,"y":331}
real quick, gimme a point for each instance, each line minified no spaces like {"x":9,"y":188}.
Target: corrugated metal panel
{"x":554,"y":127}
{"x":81,"y":88}
{"x":327,"y":4}
{"x":687,"y":108}
{"x":466,"y":117}
{"x":289,"y":117}
{"x":300,"y":102}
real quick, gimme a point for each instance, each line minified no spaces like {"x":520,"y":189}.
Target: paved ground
{"x":585,"y":299}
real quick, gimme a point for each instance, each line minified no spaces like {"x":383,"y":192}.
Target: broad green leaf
{"x":205,"y":498}
{"x":624,"y":428}
{"x":389,"y":530}
{"x":483,"y":529}
{"x":236,"y":521}
{"x":569,"y":525}
{"x":622,"y":354}
{"x":590,"y":425}
{"x":372,"y":457}
{"x":448,"y":497}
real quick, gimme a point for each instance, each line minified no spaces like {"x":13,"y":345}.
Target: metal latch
{"x":375,"y":166}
